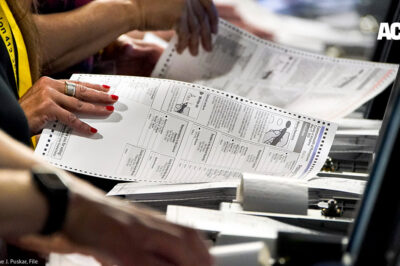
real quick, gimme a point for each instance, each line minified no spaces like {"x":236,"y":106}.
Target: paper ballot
{"x":173,"y":132}
{"x":240,"y":63}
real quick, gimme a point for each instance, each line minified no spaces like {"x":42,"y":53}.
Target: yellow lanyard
{"x":20,"y":65}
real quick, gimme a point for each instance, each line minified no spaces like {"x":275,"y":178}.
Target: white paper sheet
{"x":298,"y":81}
{"x":174,"y":132}
{"x":338,"y":184}
{"x":353,"y":123}
{"x":136,"y":189}
{"x":261,"y":193}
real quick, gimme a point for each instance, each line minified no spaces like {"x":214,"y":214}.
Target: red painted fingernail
{"x":114,"y":97}
{"x":106,"y":86}
{"x":93,"y":130}
{"x":110,"y":108}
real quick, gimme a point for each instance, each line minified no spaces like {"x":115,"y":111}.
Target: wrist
{"x":75,"y":213}
{"x":23,"y":207}
{"x":84,"y":221}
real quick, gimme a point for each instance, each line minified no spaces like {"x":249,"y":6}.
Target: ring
{"x":70,"y":89}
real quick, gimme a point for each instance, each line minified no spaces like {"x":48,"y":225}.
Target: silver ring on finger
{"x":70,"y":89}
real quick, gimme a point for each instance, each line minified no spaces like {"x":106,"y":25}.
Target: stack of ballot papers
{"x":204,"y":195}
{"x":254,"y":192}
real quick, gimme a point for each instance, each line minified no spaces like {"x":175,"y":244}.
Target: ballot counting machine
{"x":375,"y":234}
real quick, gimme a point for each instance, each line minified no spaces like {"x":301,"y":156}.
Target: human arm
{"x":69,"y":37}
{"x":109,"y":229}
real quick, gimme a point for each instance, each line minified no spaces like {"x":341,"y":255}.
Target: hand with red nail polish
{"x":45,"y":101}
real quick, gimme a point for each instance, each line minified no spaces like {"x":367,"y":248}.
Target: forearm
{"x":72,"y":57}
{"x":23,"y":208}
{"x":69,"y":37}
{"x":14,"y":155}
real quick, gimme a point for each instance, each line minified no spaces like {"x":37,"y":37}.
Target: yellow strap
{"x":6,"y":35}
{"x":24,"y":72}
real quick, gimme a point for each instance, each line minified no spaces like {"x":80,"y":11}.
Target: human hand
{"x":45,"y":101}
{"x":194,"y":20}
{"x":119,"y":233}
{"x":132,"y":57}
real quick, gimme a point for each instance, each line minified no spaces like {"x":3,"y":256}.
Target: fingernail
{"x":110,"y":108}
{"x":93,"y":130}
{"x":114,"y":97}
{"x":106,"y":87}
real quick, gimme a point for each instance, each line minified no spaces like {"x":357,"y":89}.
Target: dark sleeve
{"x":12,"y":117}
{"x":55,"y":6}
